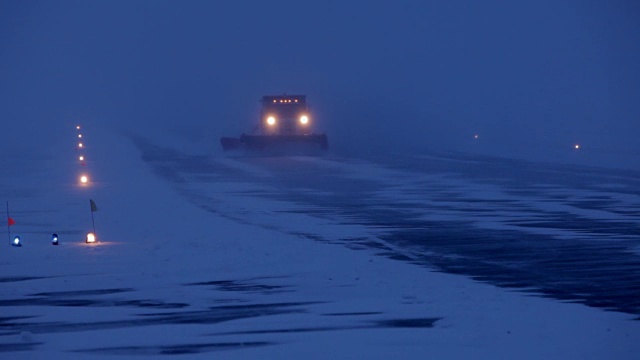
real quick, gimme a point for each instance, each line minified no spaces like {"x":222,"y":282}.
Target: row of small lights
{"x":285,"y":100}
{"x":17,"y":242}
{"x":84,"y":179}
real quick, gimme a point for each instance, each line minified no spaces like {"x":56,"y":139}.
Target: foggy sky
{"x":532,"y":78}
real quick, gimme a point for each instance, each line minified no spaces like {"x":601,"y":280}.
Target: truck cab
{"x":285,"y":115}
{"x":284,"y":128}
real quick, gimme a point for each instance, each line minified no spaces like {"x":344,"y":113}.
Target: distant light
{"x":296,"y":100}
{"x":476,"y":136}
{"x":271,"y":120}
{"x":80,"y":145}
{"x":54,"y":239}
{"x":16,"y":241}
{"x":577,"y":146}
{"x":91,"y":238}
{"x":79,"y":135}
{"x":78,"y":127}
{"x":304,"y":119}
{"x":280,"y":100}
{"x":81,"y":158}
{"x":84,"y":179}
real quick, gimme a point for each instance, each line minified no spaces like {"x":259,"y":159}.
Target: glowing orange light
{"x":84,"y":179}
{"x":80,"y":145}
{"x":91,"y":238}
{"x":274,"y":100}
{"x":296,"y":100}
{"x":78,"y":127}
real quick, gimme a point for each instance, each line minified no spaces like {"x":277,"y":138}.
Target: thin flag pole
{"x":8,"y":224}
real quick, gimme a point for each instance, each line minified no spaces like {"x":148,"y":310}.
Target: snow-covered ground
{"x":205,"y":255}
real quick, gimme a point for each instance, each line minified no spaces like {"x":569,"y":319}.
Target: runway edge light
{"x":16,"y":241}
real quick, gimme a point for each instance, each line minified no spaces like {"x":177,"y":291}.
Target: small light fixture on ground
{"x":54,"y":239}
{"x":16,"y":241}
{"x":91,"y":238}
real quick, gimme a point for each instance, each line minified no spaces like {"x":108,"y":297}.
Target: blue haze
{"x":531,"y":78}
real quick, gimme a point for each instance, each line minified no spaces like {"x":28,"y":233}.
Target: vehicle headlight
{"x":304,"y":119}
{"x":271,"y":120}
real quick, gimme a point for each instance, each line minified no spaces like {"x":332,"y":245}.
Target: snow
{"x":211,"y":267}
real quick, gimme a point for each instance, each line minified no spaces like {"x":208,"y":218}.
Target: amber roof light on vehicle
{"x":285,"y":101}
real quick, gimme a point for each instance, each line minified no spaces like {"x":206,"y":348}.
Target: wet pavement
{"x":563,"y":232}
{"x":566,"y":233}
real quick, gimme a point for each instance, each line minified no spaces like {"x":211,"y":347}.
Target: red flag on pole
{"x":11,"y":221}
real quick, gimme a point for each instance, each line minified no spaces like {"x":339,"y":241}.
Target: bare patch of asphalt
{"x":7,"y":279}
{"x":211,"y":315}
{"x":243,"y":286}
{"x":596,"y":266}
{"x":178,"y":314}
{"x":180,"y":349}
{"x":21,"y":346}
{"x":415,"y":323}
{"x":78,"y":298}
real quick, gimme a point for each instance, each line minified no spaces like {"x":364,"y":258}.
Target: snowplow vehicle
{"x":285,"y":128}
